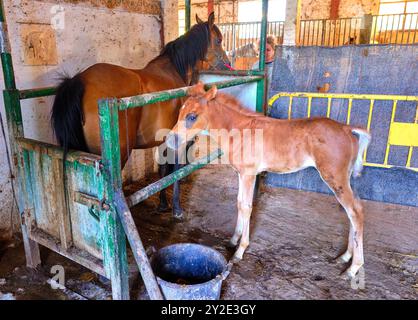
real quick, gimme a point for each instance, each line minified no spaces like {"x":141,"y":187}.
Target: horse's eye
{"x":219,"y":41}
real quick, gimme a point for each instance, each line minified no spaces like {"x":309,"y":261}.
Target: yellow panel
{"x":403,"y":134}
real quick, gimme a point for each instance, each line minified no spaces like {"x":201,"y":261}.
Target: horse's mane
{"x":185,"y":51}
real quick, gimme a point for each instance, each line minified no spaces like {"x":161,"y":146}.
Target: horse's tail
{"x":364,"y":140}
{"x":67,"y":119}
{"x":67,"y":115}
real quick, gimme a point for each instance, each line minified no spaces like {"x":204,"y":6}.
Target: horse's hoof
{"x":236,"y":259}
{"x":178,"y":214}
{"x":342,"y":259}
{"x":163,"y":207}
{"x":347,"y":275}
{"x":231,"y":245}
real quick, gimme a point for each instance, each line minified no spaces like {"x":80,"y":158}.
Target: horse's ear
{"x":211,"y":94}
{"x":211,"y":19}
{"x":197,"y":89}
{"x":198,"y":20}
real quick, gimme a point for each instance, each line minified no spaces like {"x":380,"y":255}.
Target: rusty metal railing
{"x":395,"y":29}
{"x":330,"y":32}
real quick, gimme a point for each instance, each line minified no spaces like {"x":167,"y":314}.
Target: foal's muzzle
{"x":173,"y":141}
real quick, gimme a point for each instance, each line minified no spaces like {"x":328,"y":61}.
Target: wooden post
{"x":113,"y":237}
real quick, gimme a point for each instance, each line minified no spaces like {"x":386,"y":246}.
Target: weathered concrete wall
{"x":120,"y":32}
{"x":320,"y":9}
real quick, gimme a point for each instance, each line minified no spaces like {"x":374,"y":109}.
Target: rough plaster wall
{"x":90,"y":34}
{"x":170,"y":16}
{"x":358,"y":8}
{"x":320,"y":9}
{"x":226,"y":11}
{"x":315,"y":9}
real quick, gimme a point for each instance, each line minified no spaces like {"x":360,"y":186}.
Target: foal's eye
{"x":219,"y":41}
{"x":191,"y":117}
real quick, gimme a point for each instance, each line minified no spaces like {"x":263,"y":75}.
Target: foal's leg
{"x":245,"y":206}
{"x":238,"y":227}
{"x":355,"y":242}
{"x":344,"y":194}
{"x":348,"y":254}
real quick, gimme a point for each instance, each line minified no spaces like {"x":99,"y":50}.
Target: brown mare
{"x":75,"y":111}
{"x":334,"y":149}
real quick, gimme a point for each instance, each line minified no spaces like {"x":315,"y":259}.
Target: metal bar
{"x":160,"y":96}
{"x":163,"y":183}
{"x":329,"y":107}
{"x":37,"y":93}
{"x":261,"y":85}
{"x":241,"y":73}
{"x":388,"y":166}
{"x":113,"y":237}
{"x":137,"y":247}
{"x":87,"y":200}
{"x":369,"y":122}
{"x":392,"y":119}
{"x":289,"y":111}
{"x":309,"y":106}
{"x":408,"y":160}
{"x":187,"y":15}
{"x":350,"y":105}
{"x":409,"y":28}
{"x":344,"y":96}
{"x":317,"y":35}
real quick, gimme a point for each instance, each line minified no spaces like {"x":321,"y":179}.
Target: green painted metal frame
{"x":114,"y":217}
{"x":15,"y":129}
{"x":161,"y":96}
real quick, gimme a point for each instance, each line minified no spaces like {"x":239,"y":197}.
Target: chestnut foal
{"x":334,"y":149}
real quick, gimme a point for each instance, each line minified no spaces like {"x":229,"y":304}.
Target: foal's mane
{"x":187,"y":50}
{"x":234,"y":104}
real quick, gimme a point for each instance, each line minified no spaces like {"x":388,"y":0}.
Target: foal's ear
{"x":211,"y":94}
{"x":211,"y":19}
{"x":197,"y":90}
{"x":198,"y":20}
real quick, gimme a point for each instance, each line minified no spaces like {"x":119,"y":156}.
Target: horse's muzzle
{"x":173,"y":141}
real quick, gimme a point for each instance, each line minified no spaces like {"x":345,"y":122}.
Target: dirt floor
{"x":294,"y":237}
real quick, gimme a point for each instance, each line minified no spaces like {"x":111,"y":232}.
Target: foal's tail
{"x":67,"y":115}
{"x":364,"y":140}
